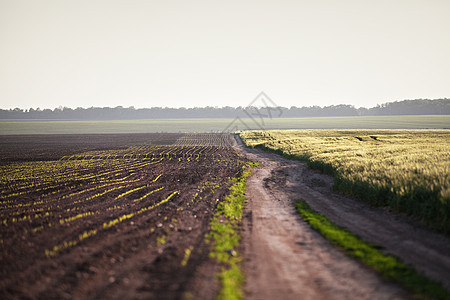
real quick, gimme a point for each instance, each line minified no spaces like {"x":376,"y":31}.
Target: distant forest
{"x":405,"y":107}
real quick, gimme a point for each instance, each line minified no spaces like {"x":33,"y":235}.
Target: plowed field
{"x":111,"y":216}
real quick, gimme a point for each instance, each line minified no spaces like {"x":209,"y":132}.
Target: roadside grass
{"x":225,"y":238}
{"x":388,"y":266}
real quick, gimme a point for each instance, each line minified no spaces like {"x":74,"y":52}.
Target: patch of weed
{"x":225,"y":237}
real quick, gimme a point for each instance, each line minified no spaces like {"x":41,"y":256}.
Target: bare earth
{"x":286,"y":259}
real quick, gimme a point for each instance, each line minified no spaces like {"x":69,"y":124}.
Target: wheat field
{"x":407,"y":170}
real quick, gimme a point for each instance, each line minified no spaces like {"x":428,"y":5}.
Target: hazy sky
{"x":222,"y":53}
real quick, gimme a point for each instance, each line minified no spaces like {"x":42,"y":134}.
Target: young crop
{"x":52,"y":208}
{"x":148,"y":194}
{"x":187,"y":254}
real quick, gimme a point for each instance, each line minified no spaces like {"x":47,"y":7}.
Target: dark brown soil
{"x":53,"y":146}
{"x":99,"y":243}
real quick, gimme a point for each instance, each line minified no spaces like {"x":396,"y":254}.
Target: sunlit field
{"x":222,"y":125}
{"x":407,"y":170}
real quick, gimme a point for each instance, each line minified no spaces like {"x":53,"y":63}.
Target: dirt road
{"x":286,"y":259}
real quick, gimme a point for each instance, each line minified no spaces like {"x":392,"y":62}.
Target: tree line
{"x":405,"y":107}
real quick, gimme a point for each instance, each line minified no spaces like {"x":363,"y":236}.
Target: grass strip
{"x":225,"y":238}
{"x":388,"y":266}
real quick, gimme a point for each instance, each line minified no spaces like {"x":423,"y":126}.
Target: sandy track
{"x":286,"y":259}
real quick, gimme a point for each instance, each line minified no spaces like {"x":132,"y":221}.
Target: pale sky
{"x":222,"y":53}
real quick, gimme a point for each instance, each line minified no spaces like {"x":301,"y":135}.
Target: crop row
{"x":149,"y":153}
{"x":106,"y":225}
{"x":53,"y":182}
{"x":208,"y":139}
{"x":44,"y":195}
